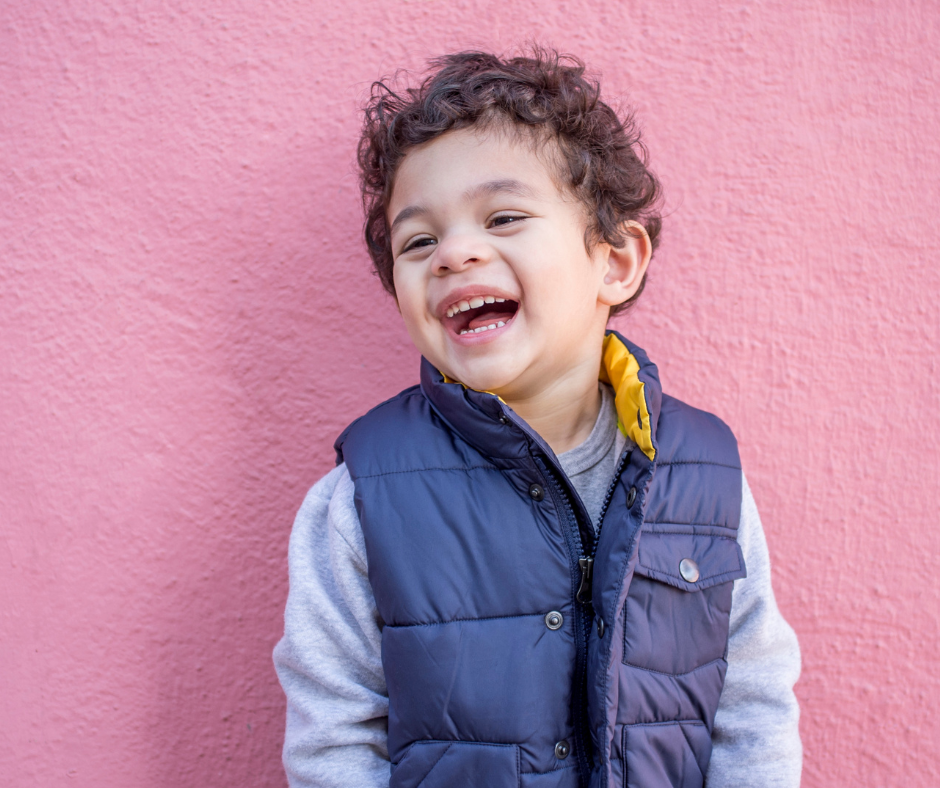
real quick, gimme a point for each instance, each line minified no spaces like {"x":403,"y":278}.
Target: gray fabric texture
{"x":591,"y":465}
{"x":330,"y":666}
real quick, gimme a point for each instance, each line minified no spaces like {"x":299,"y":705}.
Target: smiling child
{"x":534,"y":568}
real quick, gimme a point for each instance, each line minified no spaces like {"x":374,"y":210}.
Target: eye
{"x":418,"y":243}
{"x":505,"y":219}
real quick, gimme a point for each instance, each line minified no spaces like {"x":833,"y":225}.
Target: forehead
{"x":449,"y":168}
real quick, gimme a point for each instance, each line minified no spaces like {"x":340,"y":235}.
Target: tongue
{"x":487,"y":319}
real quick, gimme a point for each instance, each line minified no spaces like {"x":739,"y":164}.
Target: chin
{"x":492,"y":367}
{"x":491,"y":375}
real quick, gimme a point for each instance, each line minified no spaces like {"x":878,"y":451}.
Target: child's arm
{"x":756,"y":740}
{"x":329,"y":660}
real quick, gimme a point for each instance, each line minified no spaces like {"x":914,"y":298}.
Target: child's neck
{"x":563,"y":414}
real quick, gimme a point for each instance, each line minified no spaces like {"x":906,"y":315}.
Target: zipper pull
{"x":584,"y":590}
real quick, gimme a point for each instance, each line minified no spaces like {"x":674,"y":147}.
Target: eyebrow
{"x":504,"y":186}
{"x":488,"y":189}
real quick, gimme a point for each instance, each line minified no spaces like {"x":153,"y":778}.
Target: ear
{"x":626,"y":265}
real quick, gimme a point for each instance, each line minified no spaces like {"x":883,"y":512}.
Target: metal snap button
{"x":503,"y":419}
{"x":554,"y":620}
{"x":631,"y":497}
{"x":536,"y":493}
{"x":562,"y":750}
{"x":689,"y":570}
{"x":600,"y":627}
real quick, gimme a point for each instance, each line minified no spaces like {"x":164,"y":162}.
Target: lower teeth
{"x":500,"y":324}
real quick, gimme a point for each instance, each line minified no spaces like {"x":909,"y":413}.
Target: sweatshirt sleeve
{"x":756,"y":739}
{"x":329,"y":660}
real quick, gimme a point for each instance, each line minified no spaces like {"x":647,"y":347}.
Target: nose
{"x":459,"y":251}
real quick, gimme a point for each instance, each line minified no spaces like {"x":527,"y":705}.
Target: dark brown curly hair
{"x":601,"y":158}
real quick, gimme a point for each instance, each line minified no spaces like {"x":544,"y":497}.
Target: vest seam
{"x":422,"y":470}
{"x":450,"y":743}
{"x":698,"y":585}
{"x":690,"y":525}
{"x":625,"y":732}
{"x":664,"y":722}
{"x":683,"y":533}
{"x":434,"y":765}
{"x":675,"y":675}
{"x":699,"y":462}
{"x":550,"y":771}
{"x":459,"y":620}
{"x":689,"y":744}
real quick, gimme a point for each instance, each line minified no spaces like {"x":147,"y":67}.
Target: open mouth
{"x":480,"y":313}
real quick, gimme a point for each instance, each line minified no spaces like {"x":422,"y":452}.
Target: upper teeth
{"x":473,"y":303}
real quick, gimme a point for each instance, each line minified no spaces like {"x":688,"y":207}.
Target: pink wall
{"x":188,"y":321}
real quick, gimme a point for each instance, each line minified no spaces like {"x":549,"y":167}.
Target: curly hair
{"x":600,"y":155}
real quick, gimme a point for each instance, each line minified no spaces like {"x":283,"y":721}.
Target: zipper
{"x":582,"y":542}
{"x":584,"y":613}
{"x":586,"y":564}
{"x":582,"y":624}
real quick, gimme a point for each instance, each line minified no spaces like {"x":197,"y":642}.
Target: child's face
{"x":491,"y":272}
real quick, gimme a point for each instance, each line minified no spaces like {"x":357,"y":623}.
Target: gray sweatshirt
{"x":330,"y":666}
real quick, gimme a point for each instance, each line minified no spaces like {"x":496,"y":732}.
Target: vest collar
{"x":480,"y":417}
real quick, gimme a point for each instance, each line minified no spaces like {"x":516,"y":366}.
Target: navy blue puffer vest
{"x":479,"y":551}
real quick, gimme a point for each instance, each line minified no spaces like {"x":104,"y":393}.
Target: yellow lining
{"x":621,"y":370}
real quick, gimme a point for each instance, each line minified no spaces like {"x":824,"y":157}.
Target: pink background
{"x":188,"y":321}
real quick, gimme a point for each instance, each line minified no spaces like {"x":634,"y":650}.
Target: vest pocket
{"x":672,"y":625}
{"x":457,"y":764}
{"x":666,"y":754}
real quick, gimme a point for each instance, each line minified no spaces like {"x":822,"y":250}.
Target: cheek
{"x":408,"y":309}
{"x":564,"y":286}
{"x":404,"y":291}
{"x":412,"y":302}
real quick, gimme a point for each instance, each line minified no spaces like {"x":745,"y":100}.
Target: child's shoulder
{"x":686,"y":433}
{"x":401,"y":435}
{"x":331,"y":491}
{"x":390,"y":412}
{"x":327,"y":518}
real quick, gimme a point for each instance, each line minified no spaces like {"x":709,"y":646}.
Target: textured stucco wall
{"x":187,"y":321}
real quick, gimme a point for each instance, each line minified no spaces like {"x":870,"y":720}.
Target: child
{"x":523,"y":571}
